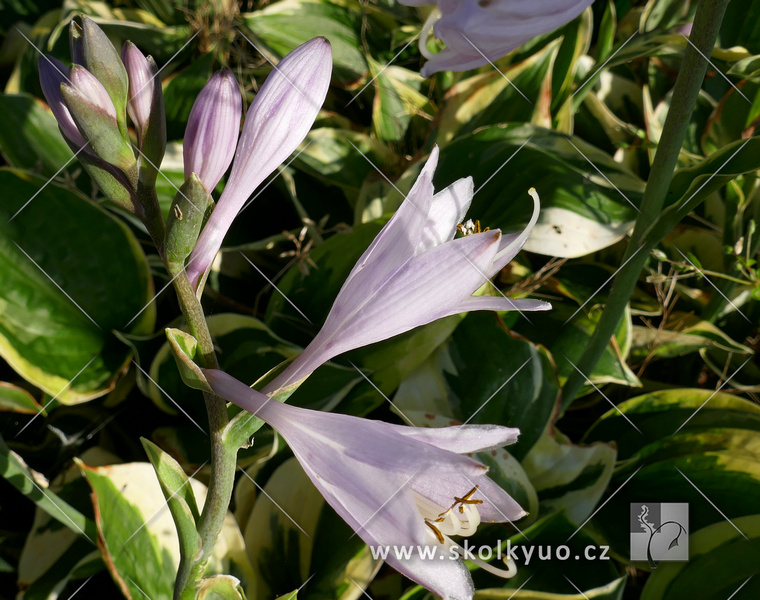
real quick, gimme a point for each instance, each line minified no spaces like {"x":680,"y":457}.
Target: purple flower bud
{"x":213,"y":128}
{"x":52,"y":74}
{"x":277,"y":122}
{"x":88,"y":86}
{"x":141,"y":82}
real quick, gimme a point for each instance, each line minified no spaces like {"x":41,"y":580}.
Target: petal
{"x":446,"y":211}
{"x":426,"y":287}
{"x":212,"y":129}
{"x":462,"y":438}
{"x":510,"y":245}
{"x":398,"y":240}
{"x":52,"y":74}
{"x":499,"y":303}
{"x":141,"y":82}
{"x":447,"y":577}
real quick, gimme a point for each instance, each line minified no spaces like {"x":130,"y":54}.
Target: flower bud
{"x":95,"y":117}
{"x":277,"y":122}
{"x":102,"y":60}
{"x":212,"y":129}
{"x":52,"y":74}
{"x":75,"y":43}
{"x":140,"y":96}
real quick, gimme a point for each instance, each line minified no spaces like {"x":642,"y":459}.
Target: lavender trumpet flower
{"x":395,"y":485}
{"x":277,"y":121}
{"x":52,"y":74}
{"x":477,"y":32}
{"x":212,"y":129}
{"x":414,"y":273}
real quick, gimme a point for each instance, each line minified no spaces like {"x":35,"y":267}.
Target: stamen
{"x":435,"y":530}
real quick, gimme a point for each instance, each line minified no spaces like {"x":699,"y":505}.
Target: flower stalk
{"x":707,"y":21}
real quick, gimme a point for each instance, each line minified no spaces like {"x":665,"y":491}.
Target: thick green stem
{"x":707,"y":22}
{"x":223,"y":460}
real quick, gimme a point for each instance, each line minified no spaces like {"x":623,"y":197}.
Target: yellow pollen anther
{"x":470,"y":227}
{"x":435,"y":530}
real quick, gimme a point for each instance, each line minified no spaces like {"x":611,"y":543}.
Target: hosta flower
{"x":414,"y":273}
{"x":276,"y":123}
{"x":395,"y":485}
{"x":478,"y":31}
{"x":212,"y":129}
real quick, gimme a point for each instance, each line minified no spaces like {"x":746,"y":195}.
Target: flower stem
{"x":223,"y":459}
{"x":707,"y":22}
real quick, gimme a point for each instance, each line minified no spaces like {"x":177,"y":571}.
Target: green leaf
{"x":33,"y":486}
{"x":342,"y":157}
{"x":498,"y":378}
{"x":569,"y":476}
{"x":284,"y":25}
{"x":136,"y":560}
{"x":279,"y":535}
{"x":397,"y":100}
{"x":566,"y":340}
{"x":69,"y":275}
{"x":178,"y":492}
{"x":16,"y":399}
{"x":494,"y":98}
{"x":722,"y":563}
{"x":689,"y":334}
{"x":556,"y":530}
{"x":29,"y":136}
{"x":659,"y":414}
{"x":582,"y":210}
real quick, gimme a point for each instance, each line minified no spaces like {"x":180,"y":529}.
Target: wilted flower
{"x":478,"y":31}
{"x":212,"y":129}
{"x":277,"y":121}
{"x":414,"y":273}
{"x":395,"y":485}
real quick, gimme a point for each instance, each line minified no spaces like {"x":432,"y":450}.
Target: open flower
{"x":414,"y":273}
{"x":276,"y":123}
{"x":395,"y":485}
{"x":478,"y":31}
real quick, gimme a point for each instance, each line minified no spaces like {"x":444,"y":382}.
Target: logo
{"x":659,"y":532}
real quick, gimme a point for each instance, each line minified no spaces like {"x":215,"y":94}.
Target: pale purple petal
{"x":462,"y":439}
{"x":426,"y":287}
{"x":52,"y":74}
{"x":277,"y":122}
{"x":88,"y":86}
{"x":476,"y":32}
{"x":511,"y":244}
{"x":499,"y":303}
{"x":212,"y":129}
{"x":447,"y":210}
{"x":370,"y":472}
{"x":141,"y":82}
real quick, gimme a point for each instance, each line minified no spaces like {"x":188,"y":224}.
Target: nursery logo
{"x":659,"y":532}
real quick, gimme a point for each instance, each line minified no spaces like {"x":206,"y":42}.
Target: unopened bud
{"x":95,"y":117}
{"x":213,"y":128}
{"x":52,"y":74}
{"x":102,"y":60}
